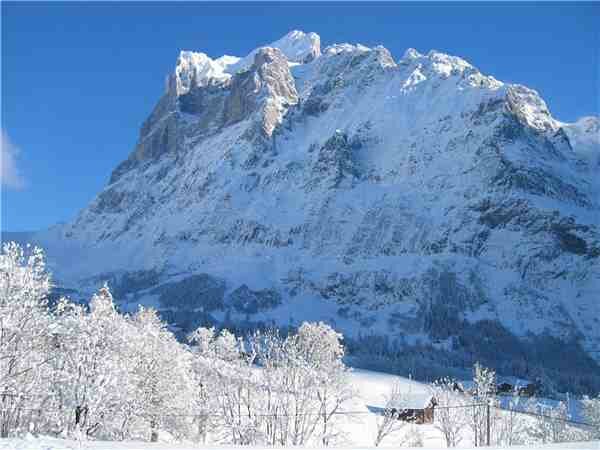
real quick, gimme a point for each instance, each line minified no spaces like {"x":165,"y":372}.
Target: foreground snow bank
{"x":44,"y":443}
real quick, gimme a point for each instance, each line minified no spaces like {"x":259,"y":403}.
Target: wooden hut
{"x":416,"y":408}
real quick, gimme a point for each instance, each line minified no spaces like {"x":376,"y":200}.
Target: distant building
{"x":504,"y":386}
{"x":416,"y":408}
{"x":510,"y":385}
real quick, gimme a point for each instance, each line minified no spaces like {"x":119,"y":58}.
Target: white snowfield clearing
{"x":61,"y":444}
{"x":359,"y":426}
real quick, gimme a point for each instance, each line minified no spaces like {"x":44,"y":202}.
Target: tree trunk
{"x":154,"y":431}
{"x":80,"y":416}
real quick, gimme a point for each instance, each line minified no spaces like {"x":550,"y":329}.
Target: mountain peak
{"x":411,"y":53}
{"x":299,"y":47}
{"x":198,"y":69}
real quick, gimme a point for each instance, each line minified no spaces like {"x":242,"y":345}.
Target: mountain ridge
{"x":414,"y":199}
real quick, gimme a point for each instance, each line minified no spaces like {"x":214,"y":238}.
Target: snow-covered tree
{"x":320,"y":347}
{"x":290,"y":382}
{"x":161,"y":375}
{"x":25,"y":334}
{"x":484,"y":397}
{"x":289,"y":405}
{"x":229,"y":383}
{"x":206,"y":368}
{"x":90,"y":365}
{"x":201,"y":378}
{"x":451,"y":414}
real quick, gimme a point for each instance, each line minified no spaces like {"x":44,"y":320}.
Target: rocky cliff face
{"x":412,"y":197}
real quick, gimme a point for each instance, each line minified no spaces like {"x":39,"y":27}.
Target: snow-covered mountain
{"x":412,"y":197}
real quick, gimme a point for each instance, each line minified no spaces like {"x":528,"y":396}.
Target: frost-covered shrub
{"x":26,"y":335}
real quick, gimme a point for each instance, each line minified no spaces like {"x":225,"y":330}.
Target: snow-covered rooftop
{"x":415,"y":400}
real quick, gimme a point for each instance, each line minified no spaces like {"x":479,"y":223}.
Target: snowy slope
{"x":412,"y":197}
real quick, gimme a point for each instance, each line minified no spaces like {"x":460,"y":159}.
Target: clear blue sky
{"x":78,"y":79}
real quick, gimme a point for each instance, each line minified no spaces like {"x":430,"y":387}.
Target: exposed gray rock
{"x":266,"y":87}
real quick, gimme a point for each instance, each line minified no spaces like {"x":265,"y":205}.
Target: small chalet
{"x":416,"y":408}
{"x":510,"y":385}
